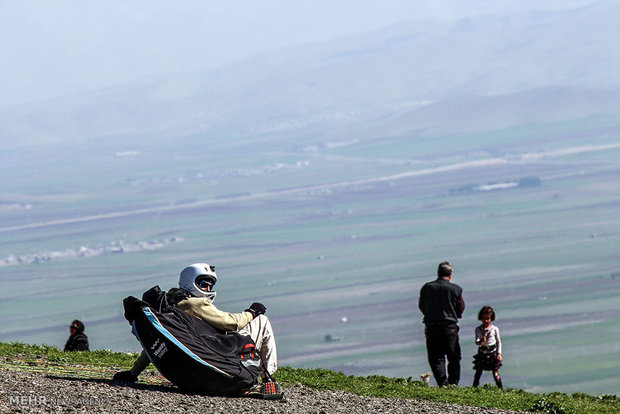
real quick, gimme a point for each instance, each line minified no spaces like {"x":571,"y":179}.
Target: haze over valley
{"x":327,"y":179}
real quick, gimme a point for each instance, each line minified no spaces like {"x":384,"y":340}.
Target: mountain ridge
{"x":430,"y":61}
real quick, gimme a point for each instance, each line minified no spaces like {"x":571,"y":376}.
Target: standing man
{"x":442,"y":304}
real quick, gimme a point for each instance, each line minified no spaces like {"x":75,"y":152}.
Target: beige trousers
{"x":259,"y":329}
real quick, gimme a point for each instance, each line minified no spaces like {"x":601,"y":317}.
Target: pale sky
{"x":54,"y":47}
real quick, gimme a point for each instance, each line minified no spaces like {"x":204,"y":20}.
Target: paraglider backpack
{"x":188,"y":351}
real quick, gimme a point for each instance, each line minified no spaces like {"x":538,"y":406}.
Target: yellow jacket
{"x":202,"y":308}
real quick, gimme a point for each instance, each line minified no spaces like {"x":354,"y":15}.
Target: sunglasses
{"x":205,"y":283}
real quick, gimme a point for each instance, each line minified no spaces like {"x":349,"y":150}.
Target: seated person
{"x":77,"y":340}
{"x":197,"y":281}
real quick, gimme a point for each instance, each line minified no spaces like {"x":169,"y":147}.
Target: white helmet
{"x":193,"y":275}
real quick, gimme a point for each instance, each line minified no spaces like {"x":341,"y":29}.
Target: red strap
{"x":251,"y":352}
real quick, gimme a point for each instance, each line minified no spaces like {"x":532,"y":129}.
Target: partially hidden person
{"x":77,"y":341}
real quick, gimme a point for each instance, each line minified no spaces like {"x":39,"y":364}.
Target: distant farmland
{"x":340,"y":245}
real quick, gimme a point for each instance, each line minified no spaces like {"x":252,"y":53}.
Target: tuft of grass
{"x":51,"y":354}
{"x":23,"y":356}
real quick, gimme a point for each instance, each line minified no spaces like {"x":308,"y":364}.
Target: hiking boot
{"x":269,"y":390}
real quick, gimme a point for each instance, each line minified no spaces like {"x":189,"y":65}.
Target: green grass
{"x":31,"y":354}
{"x":103,"y":363}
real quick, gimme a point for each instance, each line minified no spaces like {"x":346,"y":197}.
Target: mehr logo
{"x":28,"y":399}
{"x":57,"y":400}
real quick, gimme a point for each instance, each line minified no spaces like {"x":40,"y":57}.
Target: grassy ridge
{"x":103,"y":363}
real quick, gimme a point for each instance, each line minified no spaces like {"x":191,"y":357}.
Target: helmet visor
{"x":205,"y":283}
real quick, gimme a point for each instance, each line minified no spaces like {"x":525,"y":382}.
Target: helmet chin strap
{"x":210,"y":296}
{"x":197,"y":293}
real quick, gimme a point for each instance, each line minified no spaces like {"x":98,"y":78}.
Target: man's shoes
{"x":125,"y":376}
{"x":269,"y":390}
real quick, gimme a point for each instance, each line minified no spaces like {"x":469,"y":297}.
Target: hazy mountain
{"x":468,"y":113}
{"x":431,"y":77}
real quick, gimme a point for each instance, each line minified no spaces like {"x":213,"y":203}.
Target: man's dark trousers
{"x":443,"y":341}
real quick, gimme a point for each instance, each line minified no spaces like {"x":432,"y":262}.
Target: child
{"x":489,"y":356}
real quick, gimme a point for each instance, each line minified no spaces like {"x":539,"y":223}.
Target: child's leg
{"x":498,"y":380}
{"x":477,"y":376}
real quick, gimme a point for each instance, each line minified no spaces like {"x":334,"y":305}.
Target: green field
{"x":336,"y":242}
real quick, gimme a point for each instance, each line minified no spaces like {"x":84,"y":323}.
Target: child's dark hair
{"x":486,"y":310}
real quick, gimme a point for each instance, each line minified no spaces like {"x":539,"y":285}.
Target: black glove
{"x":256,"y":309}
{"x":125,"y":376}
{"x":175,"y":296}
